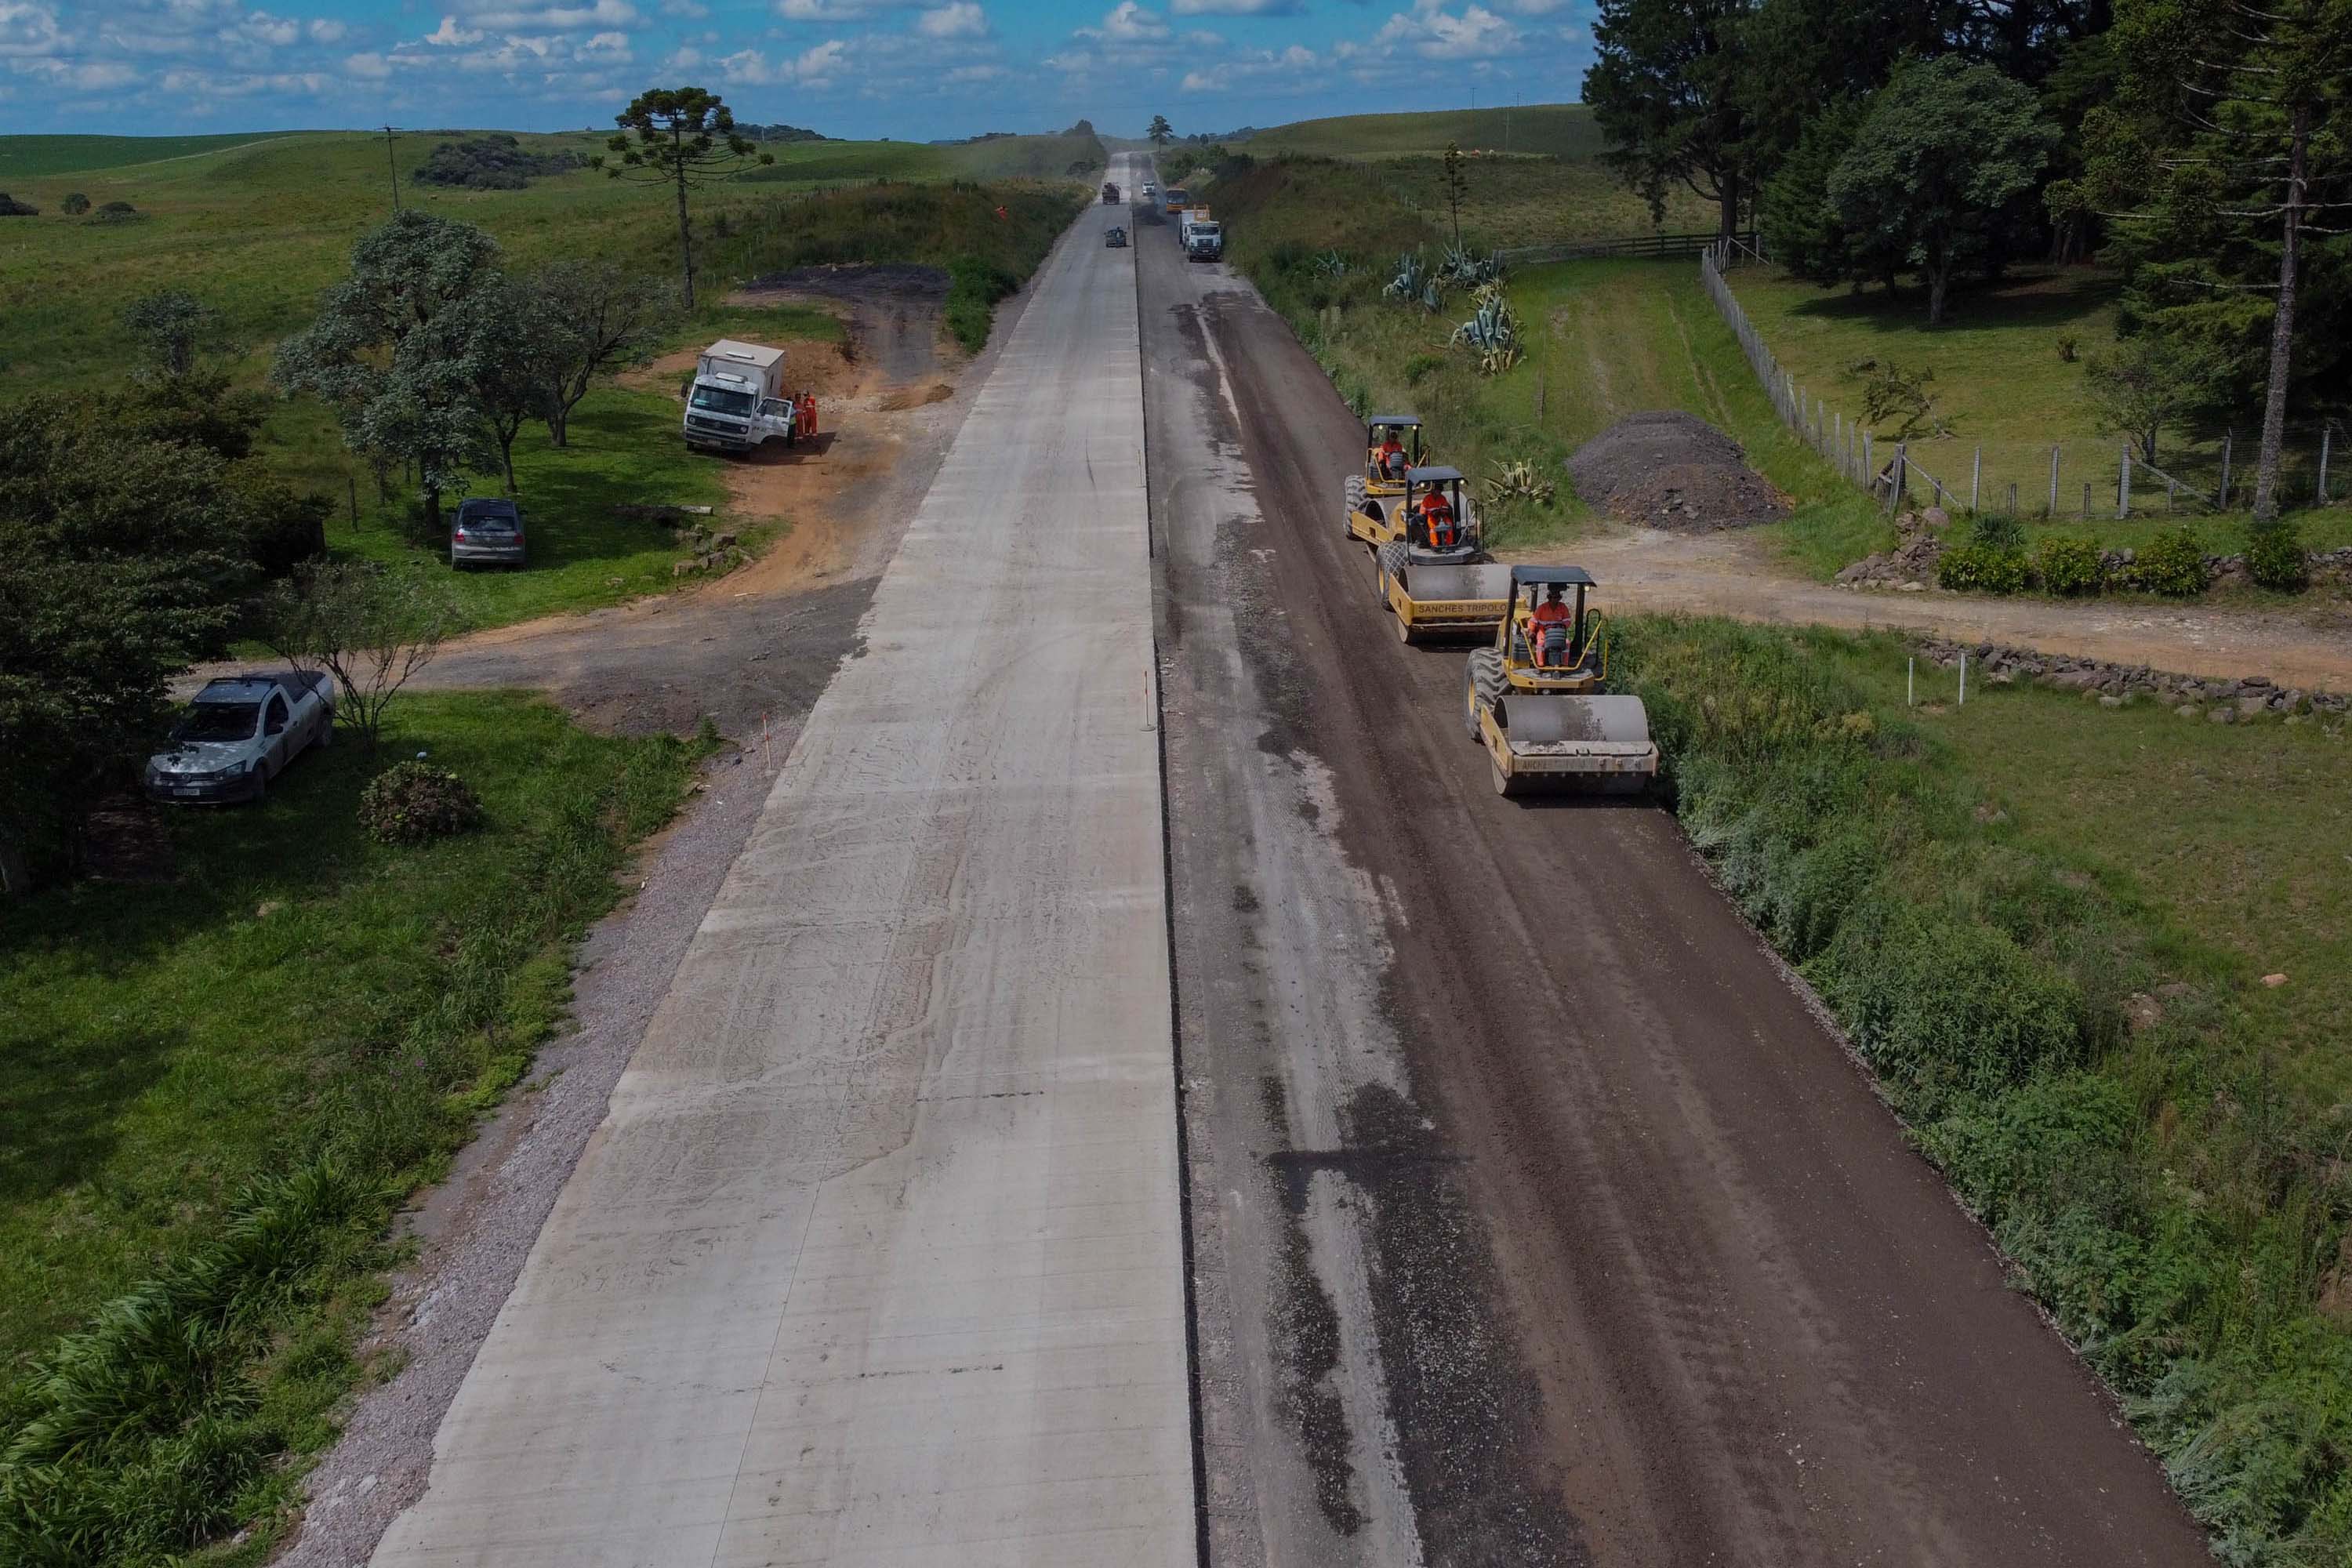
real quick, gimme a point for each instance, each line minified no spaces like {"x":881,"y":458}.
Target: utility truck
{"x":737,"y":402}
{"x":1204,"y":237}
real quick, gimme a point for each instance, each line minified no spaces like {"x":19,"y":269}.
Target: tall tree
{"x":1161,"y":132}
{"x":682,"y":137}
{"x":381,"y":352}
{"x":2227,"y":168}
{"x":1940,"y":169}
{"x":1802,"y":230}
{"x":174,"y":329}
{"x":1670,"y":87}
{"x":594,"y":316}
{"x":119,"y":559}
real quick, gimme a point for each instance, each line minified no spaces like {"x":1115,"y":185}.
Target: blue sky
{"x":914,"y":69}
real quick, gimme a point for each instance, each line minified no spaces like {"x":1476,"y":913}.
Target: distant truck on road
{"x":1110,"y":194}
{"x":737,"y":402}
{"x":1203,"y":237}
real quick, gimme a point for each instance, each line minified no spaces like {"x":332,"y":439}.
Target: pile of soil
{"x":1673,"y":470}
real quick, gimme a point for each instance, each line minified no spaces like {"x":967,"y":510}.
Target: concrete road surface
{"x":1530,"y":1199}
{"x":877,"y":1257}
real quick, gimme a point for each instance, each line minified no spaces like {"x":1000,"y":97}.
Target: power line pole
{"x":393,"y":165}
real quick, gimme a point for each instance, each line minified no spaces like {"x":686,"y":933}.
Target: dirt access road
{"x":1733,"y":574}
{"x":1538,"y":1219}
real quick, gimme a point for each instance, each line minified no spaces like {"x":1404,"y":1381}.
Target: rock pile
{"x":2218,"y":700}
{"x":716,"y":553}
{"x":1910,"y":566}
{"x":1673,"y":470}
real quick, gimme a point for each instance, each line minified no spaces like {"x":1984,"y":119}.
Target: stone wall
{"x":2218,"y":699}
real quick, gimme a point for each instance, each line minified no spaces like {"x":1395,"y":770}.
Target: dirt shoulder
{"x":1738,"y":575}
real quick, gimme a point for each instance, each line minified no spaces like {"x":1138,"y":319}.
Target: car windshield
{"x":486,"y":522}
{"x":218,"y":722}
{"x":720,"y":401}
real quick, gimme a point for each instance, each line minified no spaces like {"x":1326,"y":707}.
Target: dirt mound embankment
{"x":1673,"y":470}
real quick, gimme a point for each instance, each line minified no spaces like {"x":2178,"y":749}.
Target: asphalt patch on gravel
{"x":1469,"y":1414}
{"x":1675,"y":472}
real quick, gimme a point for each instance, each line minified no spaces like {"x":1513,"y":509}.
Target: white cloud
{"x":684,"y":59}
{"x":1436,"y":34}
{"x":27,"y":29}
{"x":1249,"y":8}
{"x":958,"y":19}
{"x":1127,"y":22}
{"x":558,"y":18}
{"x":610,"y":47}
{"x":967,"y":76}
{"x":818,"y":67}
{"x":261,"y":27}
{"x":692,"y":10}
{"x":75,"y":76}
{"x":448,"y":35}
{"x":369,"y":67}
{"x":327,"y":30}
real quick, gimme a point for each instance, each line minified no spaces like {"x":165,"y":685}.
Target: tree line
{"x":2191,"y":144}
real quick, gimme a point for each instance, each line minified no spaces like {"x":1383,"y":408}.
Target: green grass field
{"x":161,"y":1046}
{"x":256,"y":226}
{"x":2009,"y":395}
{"x":1556,"y":130}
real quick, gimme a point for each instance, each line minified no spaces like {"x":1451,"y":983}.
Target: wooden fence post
{"x":2123,"y":485}
{"x":1976,"y":477}
{"x":2324,"y":433}
{"x":2012,"y":500}
{"x":1902,"y":479}
{"x":2053,"y":513}
{"x":1869,"y":474}
{"x":2226,"y":437}
{"x":2086,"y":501}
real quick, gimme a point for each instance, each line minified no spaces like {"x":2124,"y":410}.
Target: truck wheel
{"x":326,"y":736}
{"x":1504,"y":785}
{"x":1357,"y":496}
{"x":260,"y":784}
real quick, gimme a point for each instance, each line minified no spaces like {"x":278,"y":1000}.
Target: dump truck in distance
{"x":1110,"y":194}
{"x":738,"y":400}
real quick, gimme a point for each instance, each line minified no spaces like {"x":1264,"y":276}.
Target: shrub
{"x":1981,"y":569}
{"x":1995,"y":530}
{"x":414,"y":803}
{"x":2275,"y":555}
{"x":11,"y":207}
{"x":974,"y":287}
{"x":2069,"y":566}
{"x":114,"y":212}
{"x":2069,"y":347}
{"x":75,"y":205}
{"x":2174,"y":564}
{"x":1420,"y":366}
{"x":493,"y":162}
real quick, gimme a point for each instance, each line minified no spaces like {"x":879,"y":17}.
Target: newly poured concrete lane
{"x":877,"y":1258}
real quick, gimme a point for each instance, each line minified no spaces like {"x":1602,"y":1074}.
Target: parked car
{"x":1114,"y":238}
{"x":488,"y":529}
{"x":239,"y":733}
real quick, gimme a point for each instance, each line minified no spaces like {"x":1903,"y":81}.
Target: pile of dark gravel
{"x":1673,"y":470}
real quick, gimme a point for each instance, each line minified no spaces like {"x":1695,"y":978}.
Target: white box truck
{"x":738,"y":400}
{"x":1203,"y":237}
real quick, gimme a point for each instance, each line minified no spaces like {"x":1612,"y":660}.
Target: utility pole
{"x":392,"y":164}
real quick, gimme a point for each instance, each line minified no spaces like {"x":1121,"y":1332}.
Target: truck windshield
{"x":719,"y":400}
{"x":218,"y":722}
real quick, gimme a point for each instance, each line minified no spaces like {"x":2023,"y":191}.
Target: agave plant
{"x":1331,"y":264}
{"x":1494,"y":361}
{"x":1496,"y":326}
{"x":1521,"y":480}
{"x":1412,"y":275}
{"x":1433,"y":297}
{"x":1468,"y":271}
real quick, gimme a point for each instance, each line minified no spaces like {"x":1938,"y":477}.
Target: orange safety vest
{"x":1437,"y":518}
{"x":805,"y":417}
{"x":1546,"y":614}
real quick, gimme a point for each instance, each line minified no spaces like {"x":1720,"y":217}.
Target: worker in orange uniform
{"x":1389,"y":460}
{"x":1552,"y":612}
{"x":1438,"y":523}
{"x":805,"y":418}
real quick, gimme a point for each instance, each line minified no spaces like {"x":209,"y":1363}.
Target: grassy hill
{"x":38,"y":157}
{"x":1552,"y":130}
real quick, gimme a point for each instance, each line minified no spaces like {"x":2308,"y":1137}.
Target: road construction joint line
{"x":877,"y":1258}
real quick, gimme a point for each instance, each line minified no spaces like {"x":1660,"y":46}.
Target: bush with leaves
{"x":2275,"y":557}
{"x":1980,"y":569}
{"x":415,"y":803}
{"x":2069,"y":566}
{"x":2174,"y":564}
{"x":114,"y":212}
{"x":75,"y":205}
{"x":371,"y":627}
{"x":11,"y":207}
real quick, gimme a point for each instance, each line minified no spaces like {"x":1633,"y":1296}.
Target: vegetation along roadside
{"x":2066,"y":1002}
{"x":217,"y":1098}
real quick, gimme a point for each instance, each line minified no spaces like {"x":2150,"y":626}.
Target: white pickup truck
{"x":239,"y":733}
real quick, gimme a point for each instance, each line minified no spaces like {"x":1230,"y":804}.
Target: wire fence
{"x":2205,"y":471}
